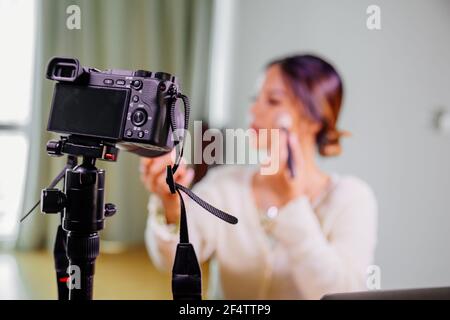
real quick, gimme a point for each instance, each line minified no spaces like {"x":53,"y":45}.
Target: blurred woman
{"x":298,"y":237}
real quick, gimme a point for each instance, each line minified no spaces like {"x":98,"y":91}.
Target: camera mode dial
{"x":142,"y":73}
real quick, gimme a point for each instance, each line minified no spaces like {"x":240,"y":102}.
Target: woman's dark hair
{"x":319,"y":87}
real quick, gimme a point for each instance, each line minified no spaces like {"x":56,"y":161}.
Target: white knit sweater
{"x":306,"y":251}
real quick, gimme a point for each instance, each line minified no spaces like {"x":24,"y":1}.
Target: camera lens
{"x":139,"y":117}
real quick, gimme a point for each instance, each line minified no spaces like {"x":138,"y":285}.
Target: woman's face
{"x":274,"y":99}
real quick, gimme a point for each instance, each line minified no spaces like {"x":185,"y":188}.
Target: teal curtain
{"x":157,"y":35}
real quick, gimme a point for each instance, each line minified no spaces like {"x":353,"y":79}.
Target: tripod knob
{"x":54,"y":148}
{"x":110,"y":209}
{"x":52,"y":200}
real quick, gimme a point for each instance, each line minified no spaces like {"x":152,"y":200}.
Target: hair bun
{"x":329,"y":142}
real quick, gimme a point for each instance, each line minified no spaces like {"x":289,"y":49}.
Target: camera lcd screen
{"x":90,"y":111}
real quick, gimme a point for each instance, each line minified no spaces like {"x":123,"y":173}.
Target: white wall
{"x":395,"y":79}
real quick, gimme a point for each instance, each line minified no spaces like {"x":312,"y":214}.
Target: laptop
{"x":439,"y":293}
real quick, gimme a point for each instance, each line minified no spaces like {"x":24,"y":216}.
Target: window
{"x":17,"y":21}
{"x":220,"y":74}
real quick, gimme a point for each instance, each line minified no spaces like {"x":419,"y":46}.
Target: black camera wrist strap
{"x":186,"y":274}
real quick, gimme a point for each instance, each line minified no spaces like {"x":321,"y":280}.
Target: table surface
{"x":124,"y":274}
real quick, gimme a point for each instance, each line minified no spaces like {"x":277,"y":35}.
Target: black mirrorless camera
{"x":98,"y":111}
{"x":131,"y":109}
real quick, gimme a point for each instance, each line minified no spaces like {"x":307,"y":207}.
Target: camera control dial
{"x":139,"y":117}
{"x":164,"y":76}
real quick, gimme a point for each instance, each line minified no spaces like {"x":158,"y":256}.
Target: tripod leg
{"x":82,"y":250}
{"x":60,"y":248}
{"x":61,"y":264}
{"x":83,"y":219}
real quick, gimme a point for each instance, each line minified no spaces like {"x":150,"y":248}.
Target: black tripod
{"x":83,"y":212}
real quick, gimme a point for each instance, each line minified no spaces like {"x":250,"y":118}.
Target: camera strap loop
{"x":186,"y":274}
{"x":179,"y":141}
{"x":175,"y":187}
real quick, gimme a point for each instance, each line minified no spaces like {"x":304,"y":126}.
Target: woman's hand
{"x":153,"y":176}
{"x":279,"y":187}
{"x":294,"y":186}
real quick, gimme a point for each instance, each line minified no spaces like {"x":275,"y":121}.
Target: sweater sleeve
{"x":337,"y":262}
{"x":161,"y":238}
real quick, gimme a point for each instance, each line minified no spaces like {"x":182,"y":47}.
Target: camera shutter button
{"x":137,"y":84}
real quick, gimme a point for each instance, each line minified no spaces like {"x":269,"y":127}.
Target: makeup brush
{"x":284,"y":122}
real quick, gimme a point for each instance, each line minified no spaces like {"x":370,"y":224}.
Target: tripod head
{"x":54,"y":200}
{"x":81,"y":146}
